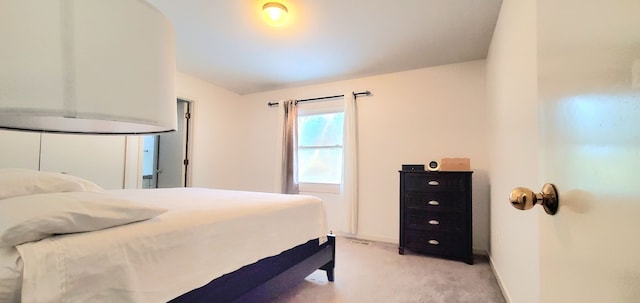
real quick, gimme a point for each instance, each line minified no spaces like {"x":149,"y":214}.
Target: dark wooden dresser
{"x":435,"y":214}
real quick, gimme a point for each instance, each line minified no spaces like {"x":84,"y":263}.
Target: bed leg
{"x":330,"y":275}
{"x":329,"y":267}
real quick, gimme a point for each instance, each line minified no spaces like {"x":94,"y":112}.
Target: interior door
{"x":589,"y":93}
{"x":172,"y":161}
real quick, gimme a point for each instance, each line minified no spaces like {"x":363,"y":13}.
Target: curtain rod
{"x":365,"y":93}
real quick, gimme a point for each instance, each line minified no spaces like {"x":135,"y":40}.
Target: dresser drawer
{"x":416,"y":220}
{"x":434,"y":201}
{"x":435,"y":242}
{"x":434,"y":182}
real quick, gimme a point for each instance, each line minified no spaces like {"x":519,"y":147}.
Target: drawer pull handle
{"x":434,"y":222}
{"x":434,"y":183}
{"x":434,"y":242}
{"x":434,"y":203}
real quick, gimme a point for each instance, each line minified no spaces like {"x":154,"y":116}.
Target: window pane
{"x":320,"y":165}
{"x":320,"y":130}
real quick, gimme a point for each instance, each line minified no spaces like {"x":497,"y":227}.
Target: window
{"x":320,"y":143}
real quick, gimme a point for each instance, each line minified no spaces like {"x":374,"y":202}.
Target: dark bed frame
{"x":266,"y":279}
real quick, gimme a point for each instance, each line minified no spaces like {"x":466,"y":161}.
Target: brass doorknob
{"x":523,"y":198}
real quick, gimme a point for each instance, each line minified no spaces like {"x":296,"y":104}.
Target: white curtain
{"x":350,"y":161}
{"x":290,"y":148}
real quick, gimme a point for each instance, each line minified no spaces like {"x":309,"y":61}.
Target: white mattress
{"x":205,"y":234}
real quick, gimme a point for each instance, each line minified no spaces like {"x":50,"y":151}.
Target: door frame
{"x":187,"y":151}
{"x":188,"y":128}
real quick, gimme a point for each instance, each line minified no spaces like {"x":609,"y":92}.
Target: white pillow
{"x":19,"y":182}
{"x":35,"y":217}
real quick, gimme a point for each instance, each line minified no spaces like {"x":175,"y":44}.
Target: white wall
{"x":100,"y":159}
{"x":513,"y":110}
{"x":19,"y":149}
{"x":412,"y":117}
{"x":217,"y":129}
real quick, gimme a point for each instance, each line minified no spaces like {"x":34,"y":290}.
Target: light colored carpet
{"x":377,"y":273}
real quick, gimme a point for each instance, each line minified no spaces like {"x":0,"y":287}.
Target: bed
{"x":74,"y":242}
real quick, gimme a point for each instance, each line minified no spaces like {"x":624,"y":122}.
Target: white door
{"x":589,"y":93}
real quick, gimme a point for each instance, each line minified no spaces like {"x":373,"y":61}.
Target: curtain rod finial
{"x":365,"y":93}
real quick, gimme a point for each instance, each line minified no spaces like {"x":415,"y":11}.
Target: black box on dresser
{"x":435,"y":214}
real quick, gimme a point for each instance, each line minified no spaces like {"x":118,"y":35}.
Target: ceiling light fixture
{"x":275,"y":13}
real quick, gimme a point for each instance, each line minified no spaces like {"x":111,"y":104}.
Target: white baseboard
{"x":505,"y":294}
{"x":366,"y":237}
{"x":481,"y":252}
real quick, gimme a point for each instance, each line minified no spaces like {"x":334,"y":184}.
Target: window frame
{"x":334,"y":188}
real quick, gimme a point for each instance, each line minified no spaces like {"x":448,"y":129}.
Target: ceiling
{"x":226,"y":42}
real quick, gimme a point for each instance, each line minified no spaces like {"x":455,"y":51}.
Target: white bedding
{"x":10,"y":275}
{"x":204,"y":234}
